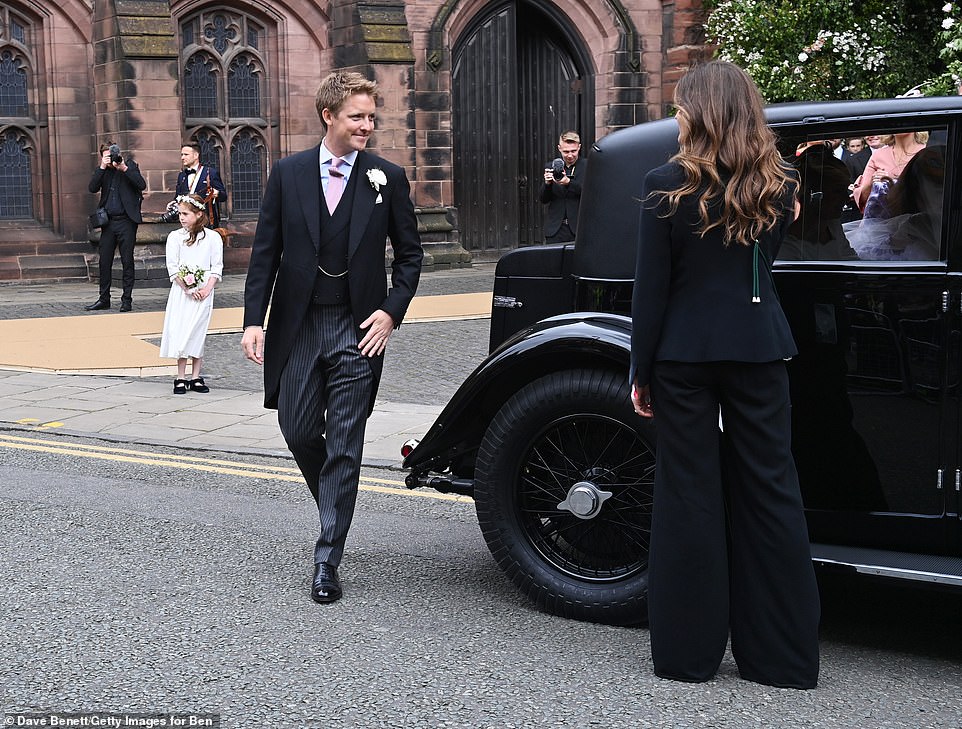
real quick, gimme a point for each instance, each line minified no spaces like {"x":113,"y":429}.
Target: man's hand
{"x":548,"y":176}
{"x":253,"y":344}
{"x":379,"y":327}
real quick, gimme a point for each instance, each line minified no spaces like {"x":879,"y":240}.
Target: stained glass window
{"x":16,"y":185}
{"x":200,"y":88}
{"x":13,"y":85}
{"x":227,"y":100}
{"x":243,"y":89}
{"x":247,"y":171}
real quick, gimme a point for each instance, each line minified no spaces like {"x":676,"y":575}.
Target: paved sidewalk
{"x":99,"y":374}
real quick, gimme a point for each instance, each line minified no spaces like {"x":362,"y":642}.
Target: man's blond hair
{"x":337,"y":87}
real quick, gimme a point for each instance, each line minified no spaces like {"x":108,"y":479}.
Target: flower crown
{"x":191,"y":201}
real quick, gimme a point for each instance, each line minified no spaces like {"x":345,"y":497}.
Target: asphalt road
{"x":137,"y":581}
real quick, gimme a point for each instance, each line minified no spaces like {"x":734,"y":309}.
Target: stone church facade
{"x":474,"y":95}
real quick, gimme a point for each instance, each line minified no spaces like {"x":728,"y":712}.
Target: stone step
{"x":43,"y":247}
{"x":52,"y":268}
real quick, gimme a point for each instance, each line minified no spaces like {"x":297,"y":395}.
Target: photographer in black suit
{"x":561,"y":191}
{"x":121,"y":187}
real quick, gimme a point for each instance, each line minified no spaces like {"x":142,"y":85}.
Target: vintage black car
{"x":542,"y":434}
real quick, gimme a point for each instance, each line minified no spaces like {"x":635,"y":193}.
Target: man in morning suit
{"x":121,"y":188}
{"x":203,"y":180}
{"x":319,"y":246}
{"x":561,"y":192}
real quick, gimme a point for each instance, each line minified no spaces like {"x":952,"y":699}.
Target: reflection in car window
{"x":885,"y":205}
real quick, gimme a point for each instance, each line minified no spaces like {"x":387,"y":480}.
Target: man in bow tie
{"x":203,"y":180}
{"x":319,"y":247}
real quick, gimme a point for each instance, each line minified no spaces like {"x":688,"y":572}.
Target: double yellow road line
{"x":201,"y":463}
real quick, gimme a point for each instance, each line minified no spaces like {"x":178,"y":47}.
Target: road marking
{"x":199,"y":463}
{"x":40,"y":426}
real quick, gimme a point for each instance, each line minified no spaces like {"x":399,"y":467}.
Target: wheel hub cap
{"x":584,"y":500}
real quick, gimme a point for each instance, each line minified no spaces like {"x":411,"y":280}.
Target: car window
{"x":869,"y":196}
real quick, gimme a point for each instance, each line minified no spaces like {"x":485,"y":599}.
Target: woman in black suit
{"x":729,"y":545}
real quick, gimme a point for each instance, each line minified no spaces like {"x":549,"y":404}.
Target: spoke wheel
{"x":563,"y":491}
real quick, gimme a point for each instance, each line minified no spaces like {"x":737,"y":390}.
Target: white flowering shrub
{"x":827,"y":49}
{"x":950,"y":53}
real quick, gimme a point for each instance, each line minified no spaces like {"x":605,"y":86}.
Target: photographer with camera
{"x":121,"y":187}
{"x":561,"y":191}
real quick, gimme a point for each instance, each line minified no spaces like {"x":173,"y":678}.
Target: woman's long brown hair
{"x":722,"y":130}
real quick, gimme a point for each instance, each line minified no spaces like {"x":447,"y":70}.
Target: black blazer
{"x":130,"y":186}
{"x":692,"y":299}
{"x":209,"y":178}
{"x":563,"y":201}
{"x":285,"y":247}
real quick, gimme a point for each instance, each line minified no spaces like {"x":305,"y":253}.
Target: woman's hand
{"x":641,"y":400}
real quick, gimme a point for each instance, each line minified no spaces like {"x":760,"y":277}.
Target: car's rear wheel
{"x":563,"y":490}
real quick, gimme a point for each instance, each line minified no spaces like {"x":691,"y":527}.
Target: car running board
{"x":935,"y":569}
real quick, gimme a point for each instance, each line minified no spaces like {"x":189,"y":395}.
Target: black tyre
{"x":563,"y":490}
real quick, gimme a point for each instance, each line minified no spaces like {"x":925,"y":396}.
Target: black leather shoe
{"x":326,"y":587}
{"x":126,"y":306}
{"x":97,"y":305}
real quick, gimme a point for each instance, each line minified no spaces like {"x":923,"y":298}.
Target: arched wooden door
{"x":516,"y":84}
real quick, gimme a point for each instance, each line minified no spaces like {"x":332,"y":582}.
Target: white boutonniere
{"x":377,"y":178}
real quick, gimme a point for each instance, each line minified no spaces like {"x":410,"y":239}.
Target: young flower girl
{"x":195,"y":262}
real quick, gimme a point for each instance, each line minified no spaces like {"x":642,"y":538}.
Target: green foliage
{"x":828,"y":49}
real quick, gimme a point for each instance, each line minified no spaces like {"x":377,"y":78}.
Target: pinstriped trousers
{"x":322,"y":410}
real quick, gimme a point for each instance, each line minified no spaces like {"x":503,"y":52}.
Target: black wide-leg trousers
{"x":729,"y":543}
{"x":322,"y":411}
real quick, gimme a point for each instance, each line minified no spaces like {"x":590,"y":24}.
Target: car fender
{"x":567,"y":341}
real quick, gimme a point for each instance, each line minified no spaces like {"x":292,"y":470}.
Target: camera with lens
{"x":115,"y":156}
{"x":558,"y":168}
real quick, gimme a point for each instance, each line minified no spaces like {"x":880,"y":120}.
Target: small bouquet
{"x":192,"y":277}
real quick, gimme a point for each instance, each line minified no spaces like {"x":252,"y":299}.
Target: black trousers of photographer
{"x":119,"y":232}
{"x":564,"y":235}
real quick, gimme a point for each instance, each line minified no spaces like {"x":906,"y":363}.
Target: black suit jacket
{"x":209,"y":178}
{"x":286,"y":242}
{"x":563,"y":200}
{"x":692,"y":299}
{"x":130,"y":186}
{"x":856,"y":162}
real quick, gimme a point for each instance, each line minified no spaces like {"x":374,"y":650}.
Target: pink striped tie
{"x":335,"y":184}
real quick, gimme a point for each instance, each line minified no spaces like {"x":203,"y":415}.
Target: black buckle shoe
{"x":180,"y":387}
{"x":197,"y":385}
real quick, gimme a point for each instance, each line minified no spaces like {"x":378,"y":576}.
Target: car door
{"x":870,"y":301}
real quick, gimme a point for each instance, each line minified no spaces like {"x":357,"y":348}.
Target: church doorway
{"x":519,"y":78}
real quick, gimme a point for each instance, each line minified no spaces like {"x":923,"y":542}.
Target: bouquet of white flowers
{"x":192,"y":277}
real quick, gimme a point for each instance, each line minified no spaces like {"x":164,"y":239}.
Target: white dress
{"x":186,"y":320}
